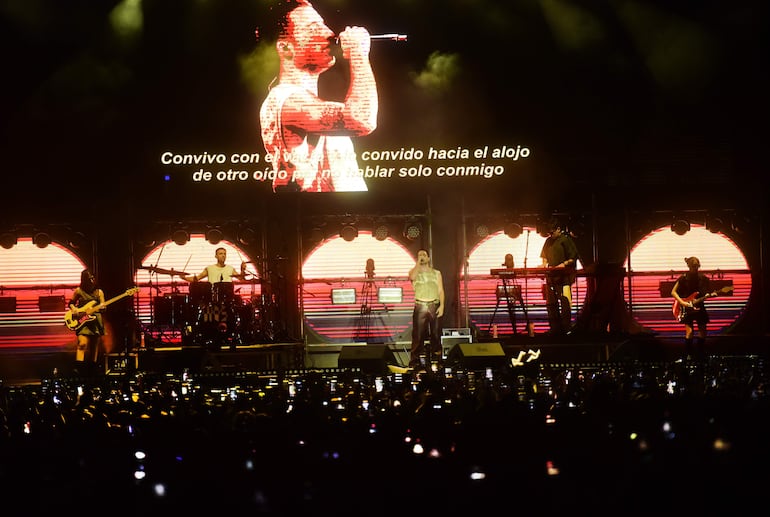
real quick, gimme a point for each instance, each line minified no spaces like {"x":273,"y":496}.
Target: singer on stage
{"x":428,"y":308}
{"x":561,"y":255}
{"x":309,"y":138}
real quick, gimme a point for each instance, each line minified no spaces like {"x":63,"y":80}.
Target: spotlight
{"x":739,"y":224}
{"x":513,"y":230}
{"x":180,"y":237}
{"x":381,"y":232}
{"x":214,"y":235}
{"x":317,"y":234}
{"x":146,"y":242}
{"x":680,"y":227}
{"x":348,"y":232}
{"x":41,"y":240}
{"x":576,"y":228}
{"x":543,"y":227}
{"x":715,"y":225}
{"x":8,"y":240}
{"x":247,"y":236}
{"x":482,"y":230}
{"x":77,"y":240}
{"x":412,"y":231}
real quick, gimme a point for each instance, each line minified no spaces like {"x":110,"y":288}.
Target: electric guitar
{"x":86,"y":312}
{"x":680,"y":310}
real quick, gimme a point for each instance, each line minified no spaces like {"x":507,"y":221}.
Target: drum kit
{"x":209,"y":314}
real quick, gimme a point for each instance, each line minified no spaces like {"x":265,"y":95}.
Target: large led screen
{"x":178,"y":101}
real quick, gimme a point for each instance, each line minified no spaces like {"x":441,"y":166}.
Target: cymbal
{"x":162,"y":271}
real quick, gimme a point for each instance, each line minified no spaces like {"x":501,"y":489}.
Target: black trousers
{"x":425,"y":324}
{"x":558,"y":307}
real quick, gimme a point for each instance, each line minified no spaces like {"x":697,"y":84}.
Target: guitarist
{"x":687,"y":288}
{"x":90,"y":333}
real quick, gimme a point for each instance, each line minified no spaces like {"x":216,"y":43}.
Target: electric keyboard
{"x":530,"y":271}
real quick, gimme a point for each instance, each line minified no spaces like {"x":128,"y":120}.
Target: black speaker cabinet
{"x":477,"y":356}
{"x":372,"y":358}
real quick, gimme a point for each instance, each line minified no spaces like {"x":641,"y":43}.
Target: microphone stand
{"x":365,"y":312}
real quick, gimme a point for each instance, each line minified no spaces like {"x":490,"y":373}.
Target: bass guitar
{"x":680,"y":310}
{"x":87,"y":311}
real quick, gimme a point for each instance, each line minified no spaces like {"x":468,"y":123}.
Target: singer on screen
{"x":307,"y":137}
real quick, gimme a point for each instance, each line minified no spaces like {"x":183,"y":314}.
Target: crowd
{"x":613,"y":438}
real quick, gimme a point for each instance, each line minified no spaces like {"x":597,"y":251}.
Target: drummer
{"x":219,"y":273}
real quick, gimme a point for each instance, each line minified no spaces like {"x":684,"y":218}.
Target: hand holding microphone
{"x":354,"y":41}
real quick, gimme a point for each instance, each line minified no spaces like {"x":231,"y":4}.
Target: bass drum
{"x":215,"y":313}
{"x":216,"y":325}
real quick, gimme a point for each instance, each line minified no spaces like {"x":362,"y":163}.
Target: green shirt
{"x":426,"y":288}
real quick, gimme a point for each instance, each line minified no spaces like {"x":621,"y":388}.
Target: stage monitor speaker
{"x":477,"y":356}
{"x":372,"y":358}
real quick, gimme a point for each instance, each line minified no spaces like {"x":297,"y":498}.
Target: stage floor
{"x":29,"y":367}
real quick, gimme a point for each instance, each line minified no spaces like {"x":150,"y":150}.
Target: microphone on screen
{"x":380,"y":37}
{"x":388,"y":37}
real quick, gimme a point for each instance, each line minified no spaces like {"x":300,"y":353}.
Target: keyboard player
{"x":560,"y":257}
